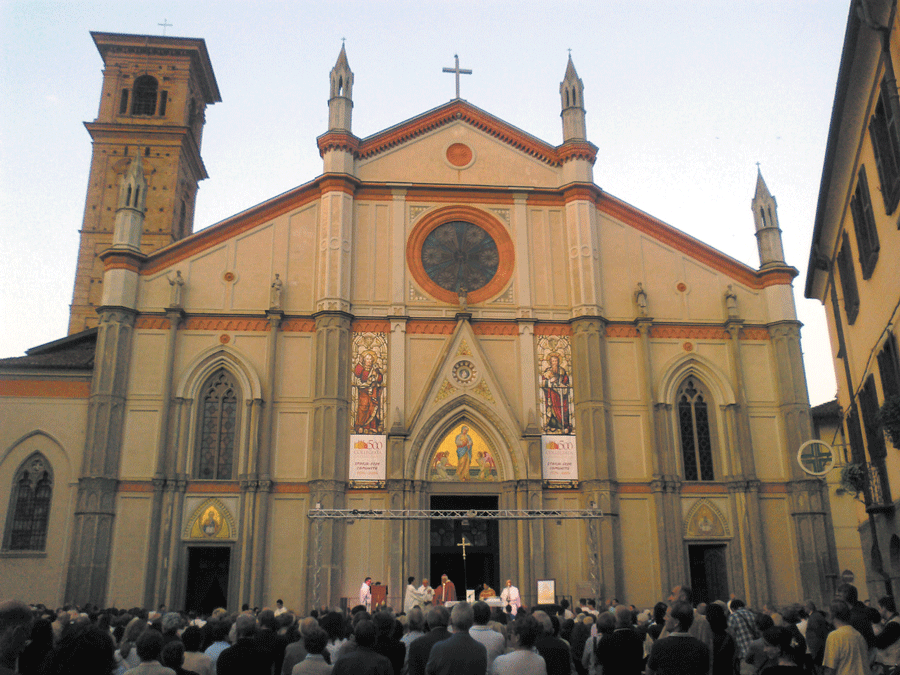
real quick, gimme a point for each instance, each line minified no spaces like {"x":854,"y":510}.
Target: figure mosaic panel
{"x":463,"y":456}
{"x":369,"y":378}
{"x":554,"y":355}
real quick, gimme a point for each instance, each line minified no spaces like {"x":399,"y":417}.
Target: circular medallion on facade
{"x":460,"y":248}
{"x":464,"y":373}
{"x":688,"y":346}
{"x":228,"y":276}
{"x":681,"y":287}
{"x":816,"y":458}
{"x":460,"y":155}
{"x":459,"y":255}
{"x":224,"y":338}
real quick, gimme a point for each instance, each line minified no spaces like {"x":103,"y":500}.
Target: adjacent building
{"x":854,"y":270}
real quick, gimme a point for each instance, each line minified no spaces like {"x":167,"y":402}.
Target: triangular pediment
{"x":462,"y":371}
{"x":458,"y":111}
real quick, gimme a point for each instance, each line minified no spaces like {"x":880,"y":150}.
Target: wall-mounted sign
{"x":560,"y":459}
{"x":368,"y":460}
{"x":816,"y":457}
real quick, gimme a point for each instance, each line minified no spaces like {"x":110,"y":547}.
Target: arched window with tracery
{"x":694,"y":431}
{"x":143,"y":99}
{"x":217,"y":429}
{"x":29,"y":506}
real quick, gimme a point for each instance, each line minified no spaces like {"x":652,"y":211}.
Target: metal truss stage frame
{"x":319,"y":515}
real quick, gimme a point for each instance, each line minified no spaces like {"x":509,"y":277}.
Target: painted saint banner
{"x":560,"y":458}
{"x":368,"y":457}
{"x":368,"y":378}
{"x":557,"y":402}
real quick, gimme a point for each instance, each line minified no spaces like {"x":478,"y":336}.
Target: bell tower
{"x":153,"y":103}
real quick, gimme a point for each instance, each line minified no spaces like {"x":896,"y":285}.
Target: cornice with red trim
{"x":337,"y":140}
{"x":118,"y":259}
{"x":577,"y":150}
{"x":695,"y":248}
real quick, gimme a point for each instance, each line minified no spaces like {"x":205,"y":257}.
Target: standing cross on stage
{"x":458,"y":72}
{"x":464,"y":543}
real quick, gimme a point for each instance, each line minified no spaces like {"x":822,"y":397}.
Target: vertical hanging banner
{"x":368,"y":378}
{"x":368,"y":460}
{"x":560,"y":460}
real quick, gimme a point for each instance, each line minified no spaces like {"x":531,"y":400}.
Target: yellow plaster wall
{"x":503,"y":356}
{"x":783,"y":566}
{"x":640,"y":553}
{"x":128,"y":563}
{"x":147,"y":353}
{"x":292,"y":445}
{"x":252,"y":349}
{"x":768,"y":448}
{"x":252,"y":267}
{"x":372,"y":253}
{"x":632,"y":460}
{"x":366,"y":546}
{"x":421,"y":354}
{"x":30,"y":578}
{"x":624,"y":371}
{"x":566,"y":545}
{"x":496,"y":163}
{"x":294,"y":374}
{"x":759,"y":385}
{"x":139,"y":443}
{"x":300,"y":275}
{"x":287,"y":544}
{"x":204,"y":287}
{"x":549,"y":258}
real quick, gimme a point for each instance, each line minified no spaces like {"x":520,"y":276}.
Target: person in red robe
{"x":445,"y":592}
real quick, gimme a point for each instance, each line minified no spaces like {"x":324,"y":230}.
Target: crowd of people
{"x":674,"y":638}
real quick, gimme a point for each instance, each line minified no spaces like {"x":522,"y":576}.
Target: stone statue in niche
{"x":275,"y":293}
{"x":177,"y":285}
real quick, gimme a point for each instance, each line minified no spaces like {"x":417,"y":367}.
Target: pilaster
{"x":331,"y":430}
{"x":596,"y":456}
{"x":334,"y":236}
{"x":582,"y":240}
{"x":98,"y":482}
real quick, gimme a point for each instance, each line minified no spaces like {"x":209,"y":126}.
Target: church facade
{"x":451,"y":316}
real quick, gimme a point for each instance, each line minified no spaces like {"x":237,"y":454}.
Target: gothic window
{"x":29,"y":506}
{"x":217,"y":433}
{"x":848,"y":280}
{"x":864,"y":225}
{"x":143,"y":100}
{"x":694,"y":431}
{"x":884,"y":129}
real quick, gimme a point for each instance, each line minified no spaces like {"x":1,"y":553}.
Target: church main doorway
{"x":482,"y":559}
{"x":207,"y":578}
{"x":709,"y":577}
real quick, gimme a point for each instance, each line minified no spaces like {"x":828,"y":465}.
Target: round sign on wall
{"x":816,"y":457}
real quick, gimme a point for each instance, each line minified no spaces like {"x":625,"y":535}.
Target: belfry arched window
{"x":29,"y":506}
{"x":143,"y":100}
{"x":217,"y":429}
{"x":694,"y":431}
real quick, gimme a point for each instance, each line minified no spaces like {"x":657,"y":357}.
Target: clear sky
{"x":683,"y":98}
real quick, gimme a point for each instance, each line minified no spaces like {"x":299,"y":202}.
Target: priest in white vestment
{"x":510,"y":596}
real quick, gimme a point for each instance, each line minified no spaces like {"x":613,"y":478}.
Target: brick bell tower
{"x":153,"y":102}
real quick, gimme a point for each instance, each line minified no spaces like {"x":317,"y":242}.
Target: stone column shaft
{"x":91,"y":550}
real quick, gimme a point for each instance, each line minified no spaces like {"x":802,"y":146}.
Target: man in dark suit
{"x":244,"y":657}
{"x":461,"y":654}
{"x":556,"y":651}
{"x":363,"y":660}
{"x":680,"y":653}
{"x":420,"y":648}
{"x":623,"y":650}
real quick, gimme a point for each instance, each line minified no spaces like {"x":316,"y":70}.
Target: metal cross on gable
{"x":165,"y":24}
{"x":456,"y":69}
